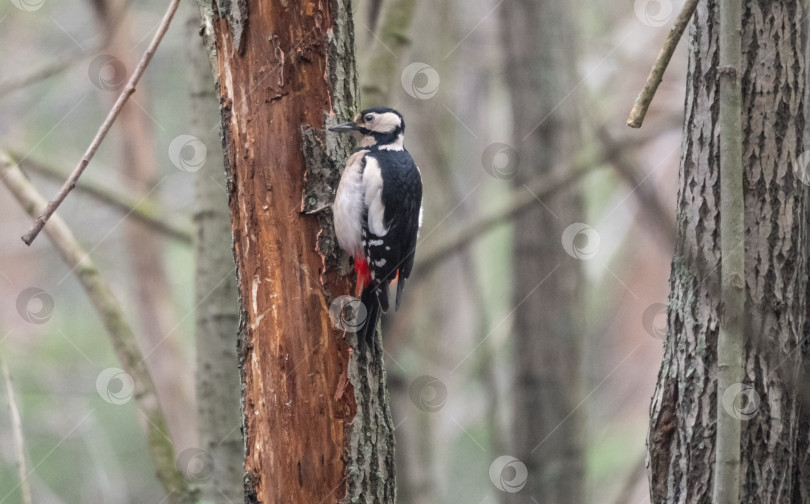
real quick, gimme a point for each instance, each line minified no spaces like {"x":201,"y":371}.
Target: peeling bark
{"x":682,"y":430}
{"x":317,"y":426}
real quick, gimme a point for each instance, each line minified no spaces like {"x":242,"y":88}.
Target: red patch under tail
{"x":363,"y":274}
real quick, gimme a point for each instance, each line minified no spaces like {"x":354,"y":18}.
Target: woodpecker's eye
{"x":368,"y":118}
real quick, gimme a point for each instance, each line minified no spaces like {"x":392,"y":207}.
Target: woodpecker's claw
{"x":317,"y":210}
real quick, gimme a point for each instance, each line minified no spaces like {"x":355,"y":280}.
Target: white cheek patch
{"x":372,"y":187}
{"x":385,"y":123}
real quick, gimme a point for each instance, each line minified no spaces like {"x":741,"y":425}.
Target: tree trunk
{"x":547,"y":427}
{"x":682,"y":425}
{"x":219,"y":465}
{"x":317,"y":425}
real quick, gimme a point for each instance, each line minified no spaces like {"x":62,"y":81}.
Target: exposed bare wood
{"x":317,"y":425}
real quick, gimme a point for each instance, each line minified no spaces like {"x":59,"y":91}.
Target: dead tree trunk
{"x":682,"y":433}
{"x":317,"y":425}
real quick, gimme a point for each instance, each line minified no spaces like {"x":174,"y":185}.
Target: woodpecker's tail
{"x":367,"y":332}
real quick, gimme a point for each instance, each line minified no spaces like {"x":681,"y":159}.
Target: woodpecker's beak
{"x":345,"y":127}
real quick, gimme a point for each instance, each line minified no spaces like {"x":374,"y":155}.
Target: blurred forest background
{"x":455,"y":75}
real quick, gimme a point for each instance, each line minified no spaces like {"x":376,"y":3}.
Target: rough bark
{"x":547,"y":426}
{"x":215,"y":295}
{"x":317,"y":426}
{"x":681,"y":441}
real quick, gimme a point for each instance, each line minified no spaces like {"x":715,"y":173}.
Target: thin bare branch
{"x":118,"y":329}
{"x":657,"y":73}
{"x":17,"y":432}
{"x":129,"y":89}
{"x":733,"y":325}
{"x":47,"y":70}
{"x":145,"y":210}
{"x":521,"y":200}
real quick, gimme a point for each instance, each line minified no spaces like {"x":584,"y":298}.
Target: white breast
{"x":348,"y":206}
{"x":372,"y":188}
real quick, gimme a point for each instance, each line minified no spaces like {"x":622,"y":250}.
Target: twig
{"x":521,"y":201}
{"x":146,"y":211}
{"x":129,"y":89}
{"x":657,"y":73}
{"x":16,"y":429}
{"x":120,"y":332}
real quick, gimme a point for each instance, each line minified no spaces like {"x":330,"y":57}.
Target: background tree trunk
{"x":215,"y":296}
{"x":681,"y":441}
{"x":150,"y":289}
{"x":547,"y":434}
{"x":317,"y":425}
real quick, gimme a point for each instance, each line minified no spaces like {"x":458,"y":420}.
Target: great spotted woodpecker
{"x":378,"y":210}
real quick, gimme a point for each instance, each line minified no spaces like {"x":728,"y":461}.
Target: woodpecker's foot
{"x":317,"y":210}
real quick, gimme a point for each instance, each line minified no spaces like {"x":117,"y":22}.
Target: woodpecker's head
{"x":382,"y":127}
